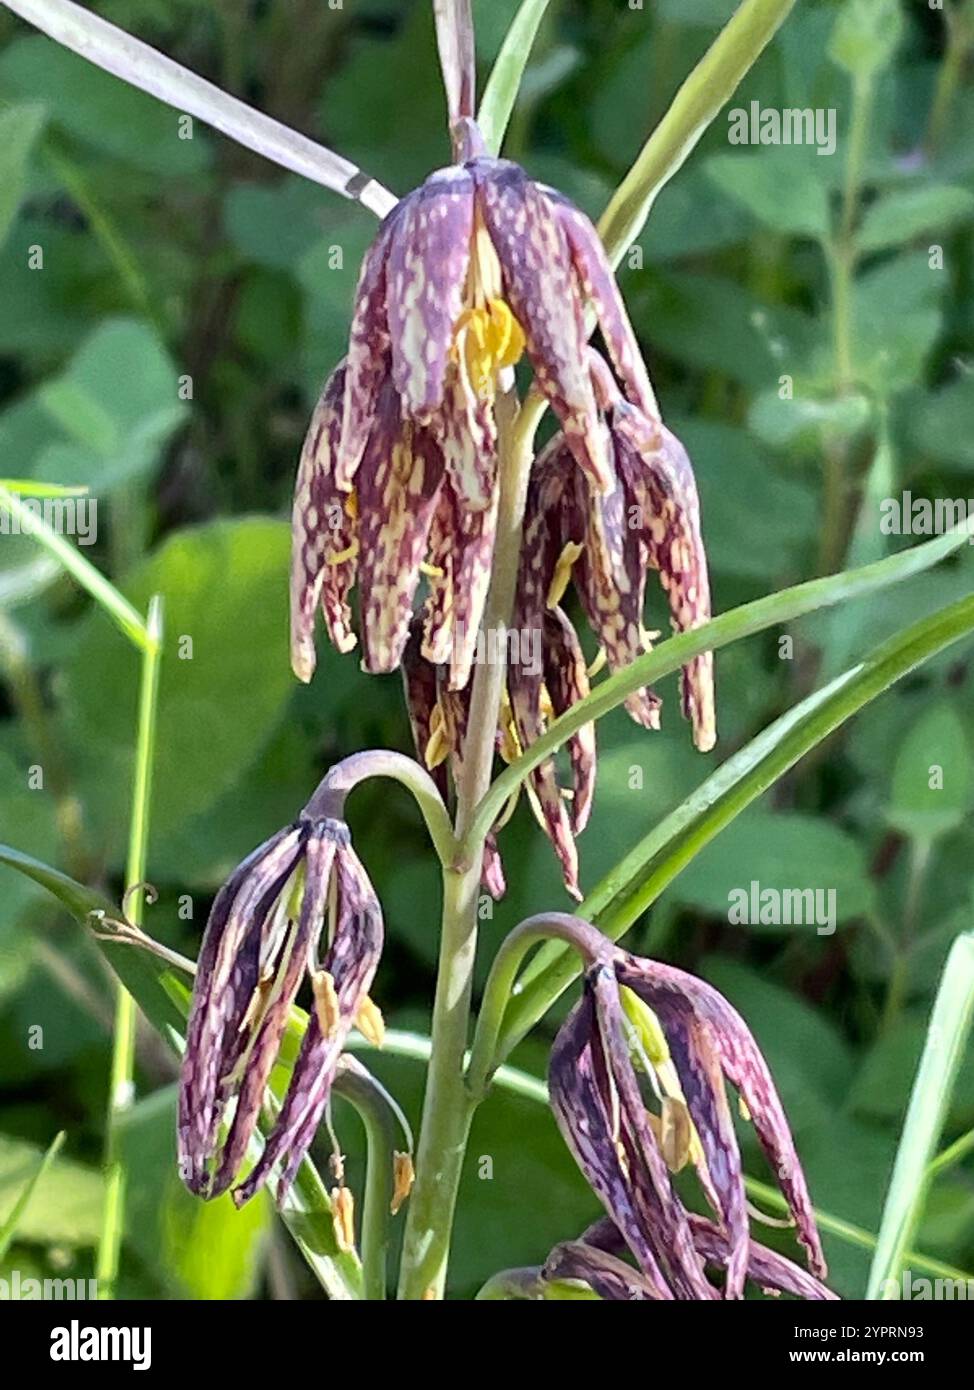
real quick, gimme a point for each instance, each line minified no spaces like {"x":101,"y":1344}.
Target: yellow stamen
{"x":370,"y":1023}
{"x":403,"y":1176}
{"x":438,"y":745}
{"x":343,"y":1218}
{"x":742,"y":1107}
{"x":563,"y":572}
{"x":326,"y":1002}
{"x":432,"y":571}
{"x":340,"y":556}
{"x":487,"y":338}
{"x":601,"y":660}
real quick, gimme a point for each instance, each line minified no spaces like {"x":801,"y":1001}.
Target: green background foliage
{"x":170,"y":260}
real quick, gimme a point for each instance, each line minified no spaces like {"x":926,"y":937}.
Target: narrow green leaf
{"x":8,"y":1227}
{"x":502,"y":87}
{"x":946,"y":1038}
{"x":636,"y":882}
{"x":744,"y":621}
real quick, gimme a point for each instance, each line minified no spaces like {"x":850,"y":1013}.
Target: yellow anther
{"x":563,"y":572}
{"x":326,"y":1002}
{"x":340,"y":556}
{"x":343,"y":1218}
{"x":403,"y":1175}
{"x":351,"y":505}
{"x":437,"y":748}
{"x":370,"y":1023}
{"x":488,"y":338}
{"x":742,"y":1108}
{"x":601,"y":661}
{"x":674,"y":1131}
{"x":432,"y":571}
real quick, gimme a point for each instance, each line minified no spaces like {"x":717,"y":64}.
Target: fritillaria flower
{"x":398,"y":477}
{"x":596,"y":1259}
{"x":643,"y":1024}
{"x":299,"y":906}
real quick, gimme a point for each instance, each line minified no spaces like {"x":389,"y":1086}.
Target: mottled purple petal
{"x":605,"y":1274}
{"x":766,"y":1267}
{"x":460,"y":554}
{"x":667,"y":991}
{"x":426,"y":273}
{"x":397,"y":488}
{"x":322,"y":536}
{"x":539,"y":284}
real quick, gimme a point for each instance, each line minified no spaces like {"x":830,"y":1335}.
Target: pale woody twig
{"x":135,"y":62}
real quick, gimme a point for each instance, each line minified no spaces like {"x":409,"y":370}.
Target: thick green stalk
{"x":121,"y":1084}
{"x":447,"y":1110}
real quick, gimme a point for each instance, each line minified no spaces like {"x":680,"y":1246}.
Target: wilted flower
{"x":299,"y":905}
{"x":399,"y":471}
{"x":638,"y":1018}
{"x":596,"y":1259}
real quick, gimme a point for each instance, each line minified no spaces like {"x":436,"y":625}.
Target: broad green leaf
{"x":931,"y":791}
{"x":943,"y":424}
{"x":11,"y":1223}
{"x":66,"y":1201}
{"x":900,"y":216}
{"x":778,"y":187}
{"x":785,"y":853}
{"x":105,"y":113}
{"x":642,"y":875}
{"x":225,"y":673}
{"x":881,"y":1089}
{"x":896,"y":316}
{"x":202,"y":1250}
{"x":933,"y":1087}
{"x":19,"y":129}
{"x":118,"y":403}
{"x":782,"y":422}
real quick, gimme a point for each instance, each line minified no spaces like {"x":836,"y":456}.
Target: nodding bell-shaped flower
{"x":398,"y":476}
{"x":638,"y":1086}
{"x":301,"y":905}
{"x":596,"y":1259}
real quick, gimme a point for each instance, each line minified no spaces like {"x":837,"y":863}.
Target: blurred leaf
{"x":225,"y":672}
{"x":11,"y":1223}
{"x":881,"y":1089}
{"x":501,"y":90}
{"x":19,"y":129}
{"x":778,"y":187}
{"x":896,"y":318}
{"x":117,"y":402}
{"x":931,"y":791}
{"x":99,"y":109}
{"x":66,"y":1203}
{"x":944,"y":424}
{"x":779,"y":851}
{"x":276,"y":224}
{"x":903,"y":215}
{"x":202,"y":1250}
{"x":780,"y":422}
{"x":866,"y":35}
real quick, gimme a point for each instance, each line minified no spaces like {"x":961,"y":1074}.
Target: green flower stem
{"x":329,"y":797}
{"x":745,"y":621}
{"x":954,"y":1153}
{"x":121,"y":1082}
{"x":101,"y":590}
{"x":447,"y":1110}
{"x":498,"y":991}
{"x":709,"y":86}
{"x":381,"y":1134}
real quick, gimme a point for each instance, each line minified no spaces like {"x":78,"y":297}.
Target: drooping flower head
{"x":642,"y":1026}
{"x":398,"y":476}
{"x":300,"y":905}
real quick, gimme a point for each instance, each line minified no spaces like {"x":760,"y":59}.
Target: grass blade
{"x":8,"y":1227}
{"x":949,"y":1026}
{"x":626,"y":892}
{"x":504,"y":82}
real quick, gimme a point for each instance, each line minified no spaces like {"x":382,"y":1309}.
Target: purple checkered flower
{"x":646,"y":1027}
{"x":597,"y":1259}
{"x":301,"y":905}
{"x":398,"y":477}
